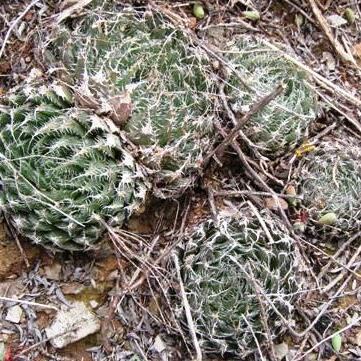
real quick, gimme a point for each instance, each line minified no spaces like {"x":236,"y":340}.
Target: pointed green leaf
{"x":336,"y":342}
{"x":2,"y":351}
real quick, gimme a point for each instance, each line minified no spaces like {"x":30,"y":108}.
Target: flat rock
{"x":52,"y":272}
{"x":14,"y":314}
{"x":72,"y":324}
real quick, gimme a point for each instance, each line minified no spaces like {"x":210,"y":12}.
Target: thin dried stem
{"x":23,"y":302}
{"x":345,"y":57}
{"x":187,"y":309}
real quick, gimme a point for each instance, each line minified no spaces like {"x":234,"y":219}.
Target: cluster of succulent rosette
{"x":130,"y":114}
{"x":283,"y":122}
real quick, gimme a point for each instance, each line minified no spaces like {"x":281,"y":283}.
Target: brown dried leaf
{"x":291,"y":190}
{"x":121,"y":106}
{"x":72,"y":288}
{"x":87,"y":101}
{"x":52,"y":272}
{"x":357,"y":50}
{"x":274,"y":203}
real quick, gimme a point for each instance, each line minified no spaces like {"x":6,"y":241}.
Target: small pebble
{"x":93,"y":304}
{"x":14,"y":314}
{"x":349,"y":15}
{"x":198,"y":11}
{"x":252,"y":15}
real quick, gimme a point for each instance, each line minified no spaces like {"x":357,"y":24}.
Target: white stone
{"x":93,"y":304}
{"x":158,"y":345}
{"x":72,"y":324}
{"x":336,"y":20}
{"x":14,"y":314}
{"x":281,"y":350}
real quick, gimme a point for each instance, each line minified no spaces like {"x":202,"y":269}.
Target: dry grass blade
{"x":7,"y":299}
{"x":321,"y":80}
{"x":79,"y":4}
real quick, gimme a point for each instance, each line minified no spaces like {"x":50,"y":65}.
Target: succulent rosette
{"x":230,"y":268}
{"x":64,"y":171}
{"x":283,"y":122}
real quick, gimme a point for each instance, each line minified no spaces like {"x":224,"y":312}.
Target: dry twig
{"x":353,"y":323}
{"x":241,"y":193}
{"x":321,"y":80}
{"x":187,"y":310}
{"x":258,"y":292}
{"x":255,"y":108}
{"x":344,"y":272}
{"x":80,"y":4}
{"x":17,"y":240}
{"x":338,"y":253}
{"x":7,"y":299}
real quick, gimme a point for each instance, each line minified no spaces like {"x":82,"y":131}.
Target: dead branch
{"x":353,"y":323}
{"x":258,"y":292}
{"x":17,"y":240}
{"x":321,"y":80}
{"x":344,"y":272}
{"x":255,"y":193}
{"x":80,"y":4}
{"x":253,"y":173}
{"x":22,"y":302}
{"x":333,"y":259}
{"x":338,"y":253}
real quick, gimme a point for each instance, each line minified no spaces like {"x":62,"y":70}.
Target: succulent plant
{"x":64,"y":171}
{"x":112,"y":51}
{"x":330,"y":181}
{"x":219,"y":264}
{"x":282,"y":123}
